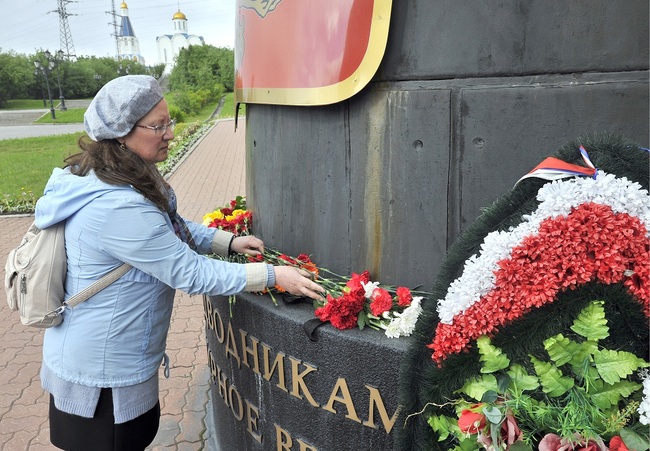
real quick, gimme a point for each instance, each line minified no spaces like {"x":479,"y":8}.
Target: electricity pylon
{"x":116,"y":32}
{"x":65,"y":37}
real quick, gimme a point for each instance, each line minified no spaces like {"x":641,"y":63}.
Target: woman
{"x":100,"y":365}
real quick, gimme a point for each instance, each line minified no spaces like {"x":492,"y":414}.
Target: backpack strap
{"x":90,"y":290}
{"x":97,"y":286}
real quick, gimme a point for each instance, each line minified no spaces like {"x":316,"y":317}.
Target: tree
{"x":156,"y":71}
{"x":200,"y":76}
{"x":203,"y":67}
{"x":16,"y":76}
{"x":85,"y":76}
{"x":226,"y":61}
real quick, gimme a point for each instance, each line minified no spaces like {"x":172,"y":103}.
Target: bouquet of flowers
{"x":354,"y":301}
{"x":232,"y":218}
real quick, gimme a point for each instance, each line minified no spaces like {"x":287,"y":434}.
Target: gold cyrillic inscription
{"x":345,"y":398}
{"x":277,"y":365}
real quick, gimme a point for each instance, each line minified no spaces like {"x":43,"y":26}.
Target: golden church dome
{"x":179,"y":15}
{"x":123,"y":6}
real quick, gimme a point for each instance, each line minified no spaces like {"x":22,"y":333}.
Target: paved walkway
{"x":211,"y":175}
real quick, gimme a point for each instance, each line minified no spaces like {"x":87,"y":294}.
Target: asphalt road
{"x":20,"y":123}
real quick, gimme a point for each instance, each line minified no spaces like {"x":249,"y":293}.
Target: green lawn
{"x":26,"y":165}
{"x":228,"y":108}
{"x":27,"y":104}
{"x":202,"y":115}
{"x":69,"y":116}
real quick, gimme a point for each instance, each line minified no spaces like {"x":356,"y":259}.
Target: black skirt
{"x":100,"y":433}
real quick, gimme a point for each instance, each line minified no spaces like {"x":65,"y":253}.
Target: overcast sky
{"x":30,"y":26}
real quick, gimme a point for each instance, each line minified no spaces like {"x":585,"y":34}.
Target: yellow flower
{"x":209,"y":217}
{"x":234,"y":215}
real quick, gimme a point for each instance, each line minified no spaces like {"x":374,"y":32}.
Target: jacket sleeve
{"x":138,"y":233}
{"x":209,"y":239}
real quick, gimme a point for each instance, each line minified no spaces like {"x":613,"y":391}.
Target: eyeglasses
{"x":160,"y":129}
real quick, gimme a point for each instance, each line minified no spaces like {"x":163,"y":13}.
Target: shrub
{"x":176,"y":113}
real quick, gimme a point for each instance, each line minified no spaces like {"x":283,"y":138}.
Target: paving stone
{"x":23,"y":425}
{"x":10,"y":372}
{"x":167,"y":432}
{"x":185,"y":357}
{"x":21,"y":411}
{"x":187,"y":446}
{"x":32,"y":394}
{"x":187,"y":341}
{"x":191,"y":430}
{"x":20,"y":441}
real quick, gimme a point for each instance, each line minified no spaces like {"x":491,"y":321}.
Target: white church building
{"x":170,"y":45}
{"x":127,"y":43}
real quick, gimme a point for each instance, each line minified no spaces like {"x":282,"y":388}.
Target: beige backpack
{"x":35,"y":277}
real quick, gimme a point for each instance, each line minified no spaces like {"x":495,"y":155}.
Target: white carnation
{"x":403,"y":324}
{"x":369,"y":287}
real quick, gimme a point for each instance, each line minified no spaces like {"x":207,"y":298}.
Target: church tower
{"x":169,"y":45}
{"x":180,"y":22}
{"x":128,"y":45}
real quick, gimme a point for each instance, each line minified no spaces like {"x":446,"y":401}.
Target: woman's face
{"x":151,"y":145}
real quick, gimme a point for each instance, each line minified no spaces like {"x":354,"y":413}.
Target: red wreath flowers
{"x":591,"y":243}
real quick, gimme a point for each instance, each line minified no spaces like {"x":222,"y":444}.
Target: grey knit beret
{"x":121,"y":103}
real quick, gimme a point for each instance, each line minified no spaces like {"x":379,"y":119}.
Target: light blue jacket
{"x":117,"y":337}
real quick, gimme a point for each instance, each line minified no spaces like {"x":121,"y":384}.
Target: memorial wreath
{"x":539,"y":338}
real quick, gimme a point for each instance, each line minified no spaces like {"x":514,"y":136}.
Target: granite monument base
{"x":275,"y":388}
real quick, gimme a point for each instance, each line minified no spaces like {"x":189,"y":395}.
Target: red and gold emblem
{"x":307,"y":52}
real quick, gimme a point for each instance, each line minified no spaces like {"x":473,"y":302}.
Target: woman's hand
{"x":297,"y":282}
{"x":248,"y":244}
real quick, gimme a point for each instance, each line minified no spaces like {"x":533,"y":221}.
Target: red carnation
{"x":404,"y":297}
{"x":354,"y":284}
{"x":381,"y":302}
{"x":304,"y":258}
{"x":342,"y":312}
{"x":287,"y":259}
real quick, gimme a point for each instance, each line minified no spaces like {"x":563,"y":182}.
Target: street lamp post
{"x":58,"y":59}
{"x":42,"y":90}
{"x":44,"y":70}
